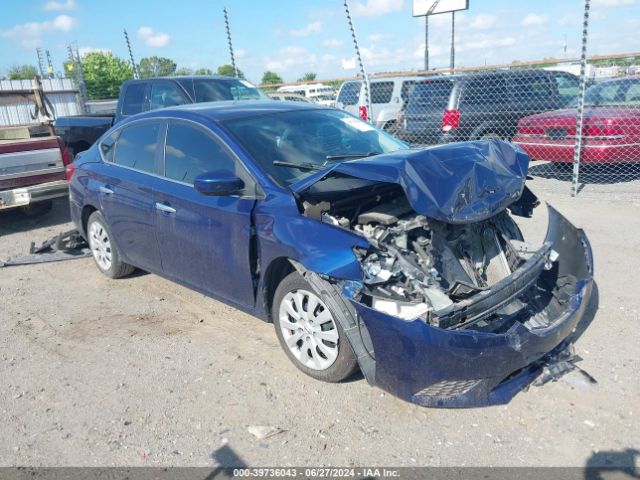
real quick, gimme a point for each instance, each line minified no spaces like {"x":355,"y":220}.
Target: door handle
{"x":105,"y":190}
{"x":165,"y":208}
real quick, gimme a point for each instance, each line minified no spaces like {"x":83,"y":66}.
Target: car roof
{"x":228,"y":110}
{"x":185,"y":77}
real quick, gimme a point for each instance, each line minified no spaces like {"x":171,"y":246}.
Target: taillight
{"x":450,"y":120}
{"x":70,"y":170}
{"x":363,"y":113}
{"x":602,"y":131}
{"x":64,"y":151}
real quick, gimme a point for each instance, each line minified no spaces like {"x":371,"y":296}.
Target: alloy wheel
{"x":309,"y":329}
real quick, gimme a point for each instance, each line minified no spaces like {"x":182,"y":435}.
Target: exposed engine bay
{"x":417,"y":266}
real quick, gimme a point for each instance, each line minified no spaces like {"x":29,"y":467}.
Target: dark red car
{"x":611,"y":131}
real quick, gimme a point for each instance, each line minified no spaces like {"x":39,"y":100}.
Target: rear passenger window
{"x":381,"y":92}
{"x":133,"y":101}
{"x":191,"y":151}
{"x":484,"y":91}
{"x":107,"y":146}
{"x":568,"y":87}
{"x":407,"y":87}
{"x":532,"y":88}
{"x":137,"y":145}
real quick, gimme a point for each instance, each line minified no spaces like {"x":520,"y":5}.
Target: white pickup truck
{"x":32,"y":168}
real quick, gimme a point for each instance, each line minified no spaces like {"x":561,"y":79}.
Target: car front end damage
{"x":454,"y":308}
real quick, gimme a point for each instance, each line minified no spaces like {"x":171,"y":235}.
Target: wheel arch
{"x":277,"y":270}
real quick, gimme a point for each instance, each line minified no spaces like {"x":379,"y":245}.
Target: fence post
{"x":365,"y":77}
{"x":583,"y":85}
{"x":228,"y":27}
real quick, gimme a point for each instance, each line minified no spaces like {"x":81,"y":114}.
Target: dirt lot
{"x":140,"y":371}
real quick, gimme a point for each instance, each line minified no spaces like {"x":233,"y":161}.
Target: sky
{"x":292,"y":37}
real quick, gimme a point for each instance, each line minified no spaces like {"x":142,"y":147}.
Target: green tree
{"x":183,"y":72}
{"x":227,"y":70}
{"x":157,"y":67}
{"x":271,"y":77}
{"x":104,"y":73}
{"x":203,"y":71}
{"x":22,"y":72}
{"x":308,"y":77}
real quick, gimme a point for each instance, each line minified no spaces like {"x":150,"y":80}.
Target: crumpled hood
{"x":454,"y":183}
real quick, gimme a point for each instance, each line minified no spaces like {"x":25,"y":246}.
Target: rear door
{"x":204,"y":241}
{"x":485,"y":108}
{"x":383,"y":106}
{"x":124,"y":183}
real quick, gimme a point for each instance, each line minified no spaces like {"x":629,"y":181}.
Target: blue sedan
{"x":406,"y":264}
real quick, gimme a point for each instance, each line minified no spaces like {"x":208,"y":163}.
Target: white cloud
{"x":30,"y":34}
{"x":153,"y":39}
{"x":327,"y":58}
{"x":307,"y":30}
{"x":332,"y":42}
{"x":348,"y":63}
{"x":379,"y":37}
{"x":613,"y":3}
{"x":53,"y":5}
{"x":483,"y":21}
{"x":240,"y":53}
{"x":86,"y":50}
{"x":376,"y":8}
{"x":289,"y":57}
{"x":534,"y":19}
{"x":486,"y":42}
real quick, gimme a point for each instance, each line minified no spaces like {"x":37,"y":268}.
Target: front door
{"x":204,"y":241}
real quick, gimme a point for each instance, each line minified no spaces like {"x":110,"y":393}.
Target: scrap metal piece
{"x":64,"y":246}
{"x":560,"y":364}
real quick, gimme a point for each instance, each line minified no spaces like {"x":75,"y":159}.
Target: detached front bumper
{"x":20,"y":197}
{"x":463,"y":367}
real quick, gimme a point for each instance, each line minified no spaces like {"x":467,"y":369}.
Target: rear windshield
{"x":220,"y":89}
{"x":349,"y":93}
{"x":431,"y":94}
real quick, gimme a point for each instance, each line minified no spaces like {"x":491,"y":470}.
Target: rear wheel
{"x":309,"y":332}
{"x":104,"y":250}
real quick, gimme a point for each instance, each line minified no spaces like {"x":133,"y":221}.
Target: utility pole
{"x":453,"y":40}
{"x":228,"y":27}
{"x":41,"y":66}
{"x":78,"y":76}
{"x":426,"y":42}
{"x":49,"y":64}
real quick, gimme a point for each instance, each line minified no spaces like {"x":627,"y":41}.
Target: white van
{"x":388,"y":95}
{"x":316,"y":92}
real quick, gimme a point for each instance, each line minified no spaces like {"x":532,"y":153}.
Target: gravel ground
{"x":142,"y":372}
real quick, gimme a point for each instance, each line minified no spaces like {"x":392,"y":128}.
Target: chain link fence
{"x":579,"y":121}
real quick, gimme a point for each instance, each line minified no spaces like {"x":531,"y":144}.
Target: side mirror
{"x":218,"y":183}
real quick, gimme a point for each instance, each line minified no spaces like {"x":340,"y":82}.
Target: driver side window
{"x":165,"y":95}
{"x":190,"y":151}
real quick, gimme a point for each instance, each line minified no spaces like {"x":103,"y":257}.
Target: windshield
{"x":309,"y":138}
{"x":220,"y":89}
{"x":622,"y":92}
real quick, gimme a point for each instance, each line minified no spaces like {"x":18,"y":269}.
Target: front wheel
{"x":104,"y":250}
{"x":309,"y":333}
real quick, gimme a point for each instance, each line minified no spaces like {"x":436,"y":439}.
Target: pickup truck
{"x":32,"y":168}
{"x":79,"y":132}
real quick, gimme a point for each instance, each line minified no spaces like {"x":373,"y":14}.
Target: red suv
{"x":611,"y":129}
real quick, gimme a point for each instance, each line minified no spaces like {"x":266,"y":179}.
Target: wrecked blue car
{"x":409,"y":265}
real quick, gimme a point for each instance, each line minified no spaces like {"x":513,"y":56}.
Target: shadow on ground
{"x":16,"y":220}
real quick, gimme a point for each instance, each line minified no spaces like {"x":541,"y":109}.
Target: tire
{"x":315,"y":352}
{"x":104,"y":250}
